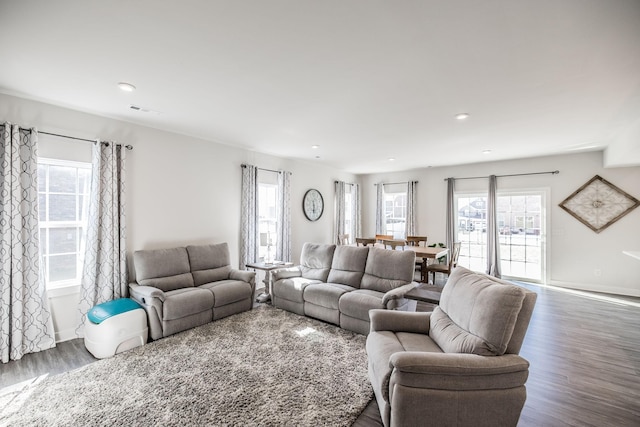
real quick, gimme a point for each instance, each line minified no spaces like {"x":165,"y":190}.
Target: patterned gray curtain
{"x":340,"y":211}
{"x":283,"y":218}
{"x":381,"y":220}
{"x":104,"y":273}
{"x":356,"y":211}
{"x":249,"y":220}
{"x":26,"y":325}
{"x":450,"y":223}
{"x":493,"y":238}
{"x":412,"y":203}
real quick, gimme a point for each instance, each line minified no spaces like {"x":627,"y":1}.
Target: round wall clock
{"x":313,"y":204}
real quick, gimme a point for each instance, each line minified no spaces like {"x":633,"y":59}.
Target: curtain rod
{"x":128,"y":147}
{"x":264,"y":169}
{"x":395,"y":183}
{"x":513,"y":174}
{"x":346,"y":183}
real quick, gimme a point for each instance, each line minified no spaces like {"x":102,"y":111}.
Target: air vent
{"x":142,"y":110}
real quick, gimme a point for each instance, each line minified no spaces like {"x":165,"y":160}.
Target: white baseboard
{"x":596,"y":288}
{"x":66,"y":335}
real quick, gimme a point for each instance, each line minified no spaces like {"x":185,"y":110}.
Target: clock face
{"x":313,"y":205}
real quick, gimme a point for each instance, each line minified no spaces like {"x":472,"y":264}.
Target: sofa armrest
{"x":245,"y":276}
{"x":399,"y":321}
{"x":142,"y":293}
{"x":152,"y":300}
{"x":286,"y":273}
{"x":457,"y":371}
{"x":397,"y":293}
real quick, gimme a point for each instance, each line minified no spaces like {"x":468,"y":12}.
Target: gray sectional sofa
{"x":340,"y":284}
{"x":181,"y":288}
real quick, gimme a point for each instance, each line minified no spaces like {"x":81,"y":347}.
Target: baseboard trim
{"x":591,"y":294}
{"x":66,"y":335}
{"x":613,"y":291}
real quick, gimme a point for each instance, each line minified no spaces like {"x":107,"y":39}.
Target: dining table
{"x":425,"y":252}
{"x":428,"y":252}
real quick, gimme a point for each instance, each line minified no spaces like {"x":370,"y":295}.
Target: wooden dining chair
{"x":381,"y":237}
{"x":417,"y":241}
{"x":394,"y":243}
{"x":444,"y":268}
{"x":344,"y":239}
{"x":364,"y":241}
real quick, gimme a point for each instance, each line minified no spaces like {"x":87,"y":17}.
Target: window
{"x":349,"y":215}
{"x":521,"y":222}
{"x":267,"y":212}
{"x":521,"y":228}
{"x":395,"y":208}
{"x":63,"y":193}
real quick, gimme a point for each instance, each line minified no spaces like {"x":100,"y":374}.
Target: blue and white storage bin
{"x":115,"y":326}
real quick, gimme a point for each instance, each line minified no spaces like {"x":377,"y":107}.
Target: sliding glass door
{"x":522,"y":228}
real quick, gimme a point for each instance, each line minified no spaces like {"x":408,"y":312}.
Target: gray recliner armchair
{"x":458,"y":365}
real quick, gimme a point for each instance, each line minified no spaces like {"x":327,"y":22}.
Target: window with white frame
{"x":348,"y":212}
{"x":267,"y":212}
{"x":63,"y":198}
{"x":395,"y":208}
{"x":521,"y":227}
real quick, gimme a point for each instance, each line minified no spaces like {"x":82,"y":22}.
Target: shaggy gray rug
{"x":265,"y":367}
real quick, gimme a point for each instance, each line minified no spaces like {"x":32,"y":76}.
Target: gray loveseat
{"x":181,"y":288}
{"x":340,"y":284}
{"x":459,"y":365}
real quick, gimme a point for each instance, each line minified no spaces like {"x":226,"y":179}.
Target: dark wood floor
{"x":584,"y":354}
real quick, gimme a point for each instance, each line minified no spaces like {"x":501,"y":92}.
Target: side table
{"x":424,"y":293}
{"x":268,"y":268}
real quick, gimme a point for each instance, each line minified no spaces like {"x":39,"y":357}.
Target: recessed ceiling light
{"x":391,"y":159}
{"x":486,"y":151}
{"x":462,"y":116}
{"x":127,"y":87}
{"x":315,"y":147}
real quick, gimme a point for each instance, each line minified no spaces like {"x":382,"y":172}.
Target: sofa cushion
{"x":211,"y":275}
{"x":228,"y":291}
{"x":348,"y":265}
{"x":417,"y":342}
{"x":185,"y":302}
{"x":326,"y":294}
{"x":157,"y":263}
{"x":315,"y":261}
{"x":292,"y":289}
{"x":477,"y":314}
{"x":358,"y":303}
{"x":209,"y":263}
{"x":388,"y":269}
{"x":205,"y":257}
{"x":169,"y":283}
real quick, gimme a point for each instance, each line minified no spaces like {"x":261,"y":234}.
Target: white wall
{"x":180,"y":190}
{"x":185,"y":190}
{"x":624,"y":148}
{"x":574,"y":251}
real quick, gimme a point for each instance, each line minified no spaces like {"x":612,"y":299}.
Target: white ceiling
{"x":365,"y":80}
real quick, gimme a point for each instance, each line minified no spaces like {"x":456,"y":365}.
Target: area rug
{"x":265,"y":367}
